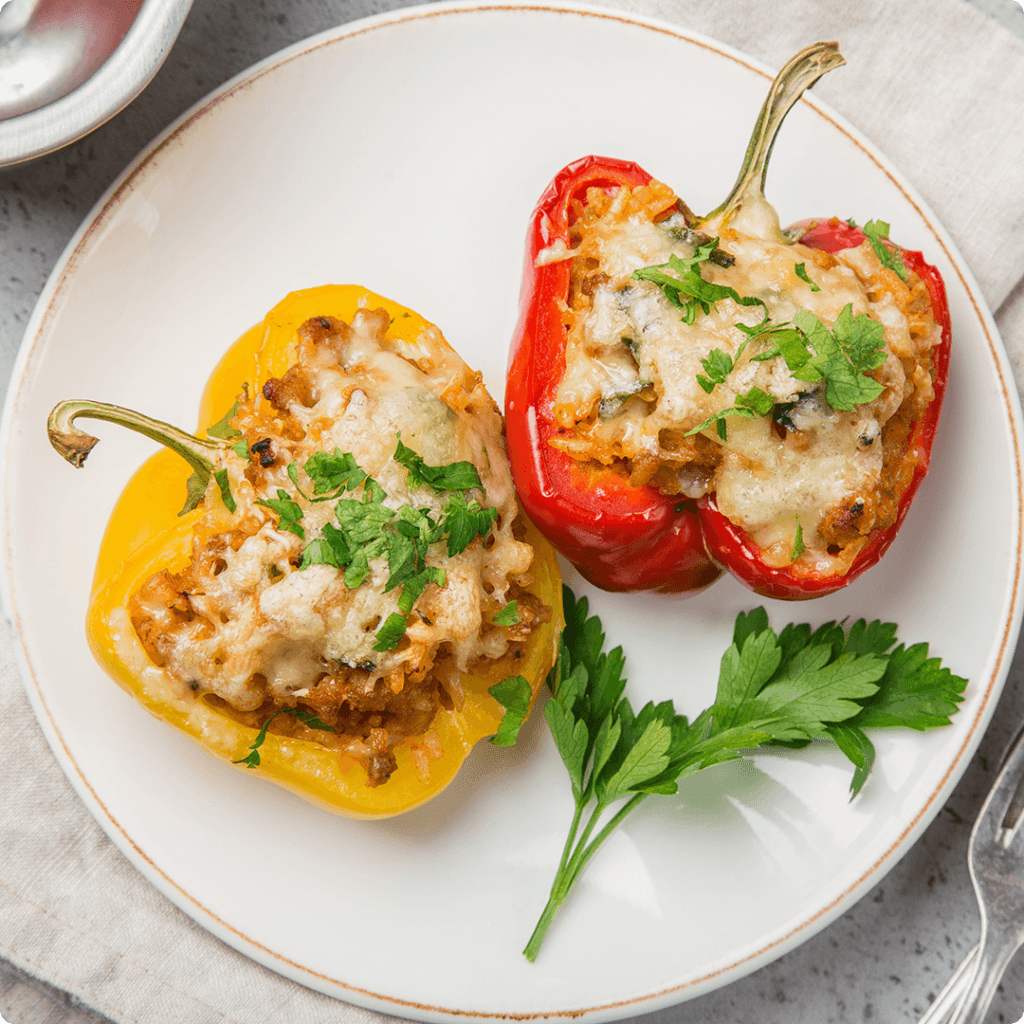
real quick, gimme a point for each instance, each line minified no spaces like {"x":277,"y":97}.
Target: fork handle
{"x":995,"y":951}
{"x":950,"y":998}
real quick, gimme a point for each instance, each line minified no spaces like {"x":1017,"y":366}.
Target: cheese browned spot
{"x":251,"y":632}
{"x":630,"y":395}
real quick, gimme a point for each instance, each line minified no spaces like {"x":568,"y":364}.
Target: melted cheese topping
{"x":630,"y":392}
{"x":246,"y":626}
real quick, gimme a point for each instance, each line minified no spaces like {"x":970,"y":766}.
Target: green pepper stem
{"x":800,"y":73}
{"x":74,"y":445}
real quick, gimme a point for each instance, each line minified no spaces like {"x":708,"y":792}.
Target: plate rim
{"x":34,"y":341}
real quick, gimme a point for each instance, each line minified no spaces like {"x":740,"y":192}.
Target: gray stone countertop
{"x":885,"y":959}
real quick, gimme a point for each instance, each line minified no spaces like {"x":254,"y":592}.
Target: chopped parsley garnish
{"x":368,"y":529}
{"x":801,"y":272}
{"x":195,"y":491}
{"x":507,"y":616}
{"x":222,"y":429}
{"x":754,"y":403}
{"x":717,"y":366}
{"x":332,"y":473}
{"x":306,"y":717}
{"x":514,"y":695}
{"x":782,"y":688}
{"x":390,"y":634}
{"x":195,"y":486}
{"x":877,"y":233}
{"x":464,"y":520}
{"x":686,"y":289}
{"x":840,"y":357}
{"x":798,"y":544}
{"x":457,"y":476}
{"x":288,"y":512}
{"x":221,"y":476}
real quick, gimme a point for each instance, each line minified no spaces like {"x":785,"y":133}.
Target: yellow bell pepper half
{"x":146,"y":535}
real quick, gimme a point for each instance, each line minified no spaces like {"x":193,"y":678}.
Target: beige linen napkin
{"x":938,"y":87}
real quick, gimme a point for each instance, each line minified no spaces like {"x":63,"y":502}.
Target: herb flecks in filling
{"x":782,"y":378}
{"x":373,"y":558}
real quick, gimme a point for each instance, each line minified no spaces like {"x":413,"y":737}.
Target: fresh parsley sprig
{"x":786,"y":688}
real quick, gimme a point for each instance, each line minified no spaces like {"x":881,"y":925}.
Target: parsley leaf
{"x":465,"y":520}
{"x":507,"y":616}
{"x":801,"y":272}
{"x":782,"y":689}
{"x":331,"y":548}
{"x":754,"y":403}
{"x":368,"y":529}
{"x":854,"y":743}
{"x":306,"y":717}
{"x":841,"y":357}
{"x":288,"y":512}
{"x":686,"y":289}
{"x":222,"y":428}
{"x":457,"y":476}
{"x":332,"y":474}
{"x":916,"y":692}
{"x":362,"y":521}
{"x":717,"y":366}
{"x":514,"y":695}
{"x":195,"y":491}
{"x":334,"y":471}
{"x":221,"y":476}
{"x":195,"y":486}
{"x":414,"y":586}
{"x":798,"y":544}
{"x":390,"y":634}
{"x":877,"y":233}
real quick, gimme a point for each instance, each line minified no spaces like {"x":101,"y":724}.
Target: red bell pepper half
{"x":621,"y":537}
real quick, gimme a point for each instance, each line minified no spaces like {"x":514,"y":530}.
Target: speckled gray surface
{"x":882,"y":961}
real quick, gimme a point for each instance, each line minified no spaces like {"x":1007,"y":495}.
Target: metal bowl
{"x":66,"y":67}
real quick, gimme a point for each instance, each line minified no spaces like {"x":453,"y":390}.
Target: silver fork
{"x":996,"y":860}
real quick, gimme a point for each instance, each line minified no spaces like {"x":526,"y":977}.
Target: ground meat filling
{"x":252,"y":632}
{"x":629,"y":398}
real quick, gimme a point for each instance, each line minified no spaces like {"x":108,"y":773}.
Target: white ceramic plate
{"x":405,"y":153}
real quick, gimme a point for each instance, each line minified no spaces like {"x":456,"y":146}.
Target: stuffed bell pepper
{"x":688,"y":394}
{"x":351,"y":597}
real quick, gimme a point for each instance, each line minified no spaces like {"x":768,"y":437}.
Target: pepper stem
{"x":74,"y":445}
{"x":800,"y":73}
